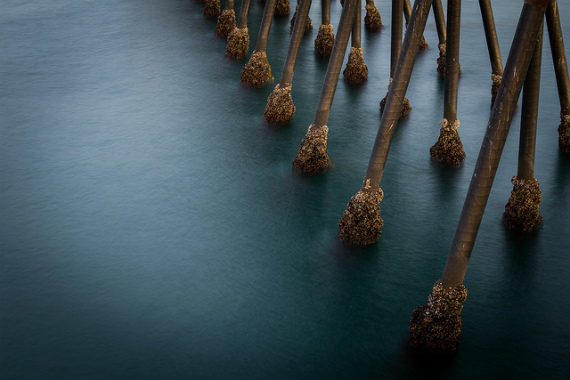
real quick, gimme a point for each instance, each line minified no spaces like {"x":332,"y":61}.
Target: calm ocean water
{"x":152,"y":228}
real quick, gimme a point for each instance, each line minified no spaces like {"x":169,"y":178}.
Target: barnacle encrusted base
{"x":423,"y":43}
{"x":238,"y":43}
{"x":406,"y":107}
{"x":312,"y":157}
{"x":361,"y":223}
{"x":279,"y":109}
{"x":436,"y":326}
{"x":282,"y":8}
{"x":522,"y":210}
{"x":226,"y":22}
{"x":372,"y":20}
{"x":325,"y":40}
{"x":497,"y":79}
{"x":564,"y":133}
{"x":212,"y":8}
{"x":448,"y":150}
{"x":256,"y":71}
{"x":308,"y":23}
{"x":356,"y":70}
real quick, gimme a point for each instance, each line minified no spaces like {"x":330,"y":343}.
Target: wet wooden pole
{"x":257,"y":70}
{"x":441,"y":34}
{"x":561,"y":71}
{"x":522,"y":210}
{"x":312,"y":157}
{"x":238,"y":39}
{"x":448,"y":150}
{"x":227,"y":20}
{"x":407,"y":15}
{"x":437,"y":325}
{"x":280,"y":108}
{"x":372,"y":20}
{"x":325,"y":38}
{"x":356,"y":70}
{"x":361,"y":223}
{"x":395,"y":47}
{"x":492,"y":46}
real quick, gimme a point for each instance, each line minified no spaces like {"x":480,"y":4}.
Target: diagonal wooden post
{"x":437,"y":324}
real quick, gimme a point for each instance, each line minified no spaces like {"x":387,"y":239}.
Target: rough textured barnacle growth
{"x":256,"y":71}
{"x":522,"y":210}
{"x":238,"y":43}
{"x":212,"y":8}
{"x":279,"y":109}
{"x":372,"y":20}
{"x":448,"y":150}
{"x":564,"y":134}
{"x":312,"y":157}
{"x":325,"y":40}
{"x":356,"y":70}
{"x":226,"y":22}
{"x":495,"y":86}
{"x":436,"y":326}
{"x":282,"y":8}
{"x":361,"y":223}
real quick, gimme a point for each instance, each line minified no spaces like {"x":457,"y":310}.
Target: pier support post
{"x":227,"y":20}
{"x":238,"y":39}
{"x":356,"y":70}
{"x":372,"y":20}
{"x":492,"y":46}
{"x":325,"y":38}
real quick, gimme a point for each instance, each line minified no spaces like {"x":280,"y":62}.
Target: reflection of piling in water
{"x":561,"y":71}
{"x":492,"y":46}
{"x":522,"y":210}
{"x":280,"y":108}
{"x":257,"y":70}
{"x":448,"y":150}
{"x":238,"y":39}
{"x":437,"y":325}
{"x":312,"y":156}
{"x":360,"y":223}
{"x":356,"y":70}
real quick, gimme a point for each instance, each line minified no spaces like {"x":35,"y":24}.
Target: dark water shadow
{"x":520,"y":255}
{"x":562,"y":174}
{"x":447,"y":179}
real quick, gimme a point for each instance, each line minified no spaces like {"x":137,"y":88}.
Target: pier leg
{"x":372,"y":20}
{"x":522,"y":210}
{"x":211,"y":9}
{"x":360,"y":223}
{"x":312,"y":157}
{"x":448,"y":150}
{"x":407,"y":15}
{"x":441,"y":34}
{"x":492,"y":46}
{"x":561,"y":71}
{"x":282,"y":8}
{"x":238,"y":39}
{"x":308,"y":22}
{"x":280,"y":108}
{"x":227,"y":20}
{"x":437,"y":325}
{"x":356,"y":70}
{"x":325,"y":38}
{"x":257,"y":70}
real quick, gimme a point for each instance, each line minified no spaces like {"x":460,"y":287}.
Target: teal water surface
{"x":152,"y":226}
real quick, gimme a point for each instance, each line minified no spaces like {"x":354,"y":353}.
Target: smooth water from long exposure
{"x":151,"y":226}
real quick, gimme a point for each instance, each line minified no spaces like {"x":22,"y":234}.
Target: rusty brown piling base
{"x":226,"y":22}
{"x":361,"y":223}
{"x":356,"y":70}
{"x":238,"y":43}
{"x":522,"y":210}
{"x":325,"y":40}
{"x":308,"y":23}
{"x":564,"y":134}
{"x":279,"y":109}
{"x":282,"y":8}
{"x":448,"y":150}
{"x":211,"y":9}
{"x":256,"y":71}
{"x":372,"y":19}
{"x":312,"y":157}
{"x":436,"y":326}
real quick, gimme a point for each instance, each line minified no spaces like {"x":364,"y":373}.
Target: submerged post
{"x":257,"y":70}
{"x":227,"y":20}
{"x":211,"y":8}
{"x":238,"y":39}
{"x":280,"y":108}
{"x":325,"y":38}
{"x":492,"y":46}
{"x":437,"y":325}
{"x":522,"y":210}
{"x":448,"y":150}
{"x":361,"y":223}
{"x":372,"y":20}
{"x":441,"y":34}
{"x":395,"y":46}
{"x":561,"y":71}
{"x":356,"y":70}
{"x":312,"y":157}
